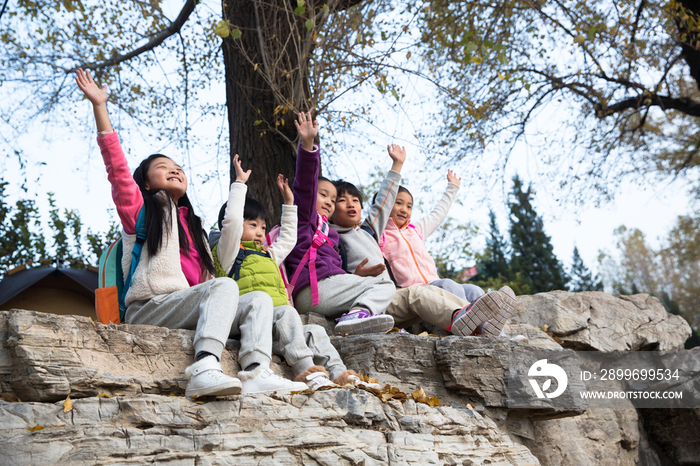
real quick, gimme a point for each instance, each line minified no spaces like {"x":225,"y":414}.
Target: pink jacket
{"x":404,"y":249}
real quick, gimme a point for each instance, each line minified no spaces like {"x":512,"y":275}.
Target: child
{"x":240,"y":253}
{"x":318,"y":280}
{"x":416,"y":302}
{"x":173,"y":284}
{"x":402,"y":243}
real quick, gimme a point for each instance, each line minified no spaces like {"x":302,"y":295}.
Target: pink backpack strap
{"x":320,"y":237}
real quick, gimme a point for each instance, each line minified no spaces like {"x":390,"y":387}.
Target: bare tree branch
{"x":682,"y":104}
{"x":155,"y":41}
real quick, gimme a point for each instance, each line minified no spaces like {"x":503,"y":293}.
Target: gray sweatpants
{"x":342,"y":293}
{"x":323,"y":350}
{"x":461,"y":290}
{"x":215,"y":312}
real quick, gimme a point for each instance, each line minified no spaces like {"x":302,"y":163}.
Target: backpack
{"x":112,"y":287}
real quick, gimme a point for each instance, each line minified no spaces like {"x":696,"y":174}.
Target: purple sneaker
{"x":363,"y":322}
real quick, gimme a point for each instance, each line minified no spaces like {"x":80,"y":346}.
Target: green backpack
{"x":111,"y":286}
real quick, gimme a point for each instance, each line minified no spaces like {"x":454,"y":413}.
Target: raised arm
{"x":125,"y":193}
{"x":280,"y":249}
{"x":380,"y":211}
{"x":232,"y":225}
{"x":98,"y":97}
{"x":306,"y":177}
{"x":427,"y":225}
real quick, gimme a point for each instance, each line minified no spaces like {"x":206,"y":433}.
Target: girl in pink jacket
{"x":411,"y":264}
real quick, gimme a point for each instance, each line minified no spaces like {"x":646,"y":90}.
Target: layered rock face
{"x":46,"y":358}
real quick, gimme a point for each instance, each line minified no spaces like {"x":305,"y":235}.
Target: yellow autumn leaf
{"x":67,"y":405}
{"x":222,"y":29}
{"x":10,"y":399}
{"x":35,"y":428}
{"x":103,"y":395}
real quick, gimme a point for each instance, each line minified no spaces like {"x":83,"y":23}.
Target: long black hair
{"x":155,"y":216}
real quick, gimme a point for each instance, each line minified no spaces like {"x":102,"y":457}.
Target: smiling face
{"x":254,"y":230}
{"x":348,"y":210}
{"x":401,"y":213}
{"x":165,"y":174}
{"x":325,"y":198}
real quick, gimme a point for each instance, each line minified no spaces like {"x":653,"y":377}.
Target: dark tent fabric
{"x":14,"y":284}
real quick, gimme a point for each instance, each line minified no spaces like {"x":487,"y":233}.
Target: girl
{"x":403,"y":247}
{"x":315,"y":267}
{"x":172,"y":285}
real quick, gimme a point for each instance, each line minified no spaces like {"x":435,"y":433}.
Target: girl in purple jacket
{"x":319,"y":282}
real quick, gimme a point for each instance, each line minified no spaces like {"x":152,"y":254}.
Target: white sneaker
{"x":317,"y":380}
{"x":262,"y":380}
{"x":355,"y":380}
{"x":206,"y":378}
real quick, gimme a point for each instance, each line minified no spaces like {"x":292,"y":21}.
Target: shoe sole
{"x":376,"y":324}
{"x":487,"y":307}
{"x":279,"y":391}
{"x":504,"y":315}
{"x":230,"y":388}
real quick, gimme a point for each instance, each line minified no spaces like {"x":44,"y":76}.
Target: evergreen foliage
{"x":582,"y":278}
{"x":22,"y":240}
{"x":532,"y":252}
{"x":493,"y":263}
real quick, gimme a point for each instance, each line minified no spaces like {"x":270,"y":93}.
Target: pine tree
{"x":493,"y":261}
{"x":532,"y":253}
{"x":581,"y":277}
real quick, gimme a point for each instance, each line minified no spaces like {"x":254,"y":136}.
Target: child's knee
{"x":224,"y":285}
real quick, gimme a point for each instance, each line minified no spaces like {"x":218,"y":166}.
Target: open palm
{"x":94,"y":94}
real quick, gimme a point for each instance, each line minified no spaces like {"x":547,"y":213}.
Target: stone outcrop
{"x":594,"y":320}
{"x":126,"y":385}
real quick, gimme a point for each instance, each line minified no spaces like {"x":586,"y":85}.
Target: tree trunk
{"x":249,"y":98}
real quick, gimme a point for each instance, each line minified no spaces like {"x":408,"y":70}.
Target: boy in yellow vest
{"x":240,"y":253}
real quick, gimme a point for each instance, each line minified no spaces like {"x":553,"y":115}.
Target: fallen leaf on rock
{"x":393,"y":330}
{"x":420,"y":397}
{"x":103,"y":395}
{"x":67,"y":405}
{"x":10,"y":399}
{"x":35,"y":428}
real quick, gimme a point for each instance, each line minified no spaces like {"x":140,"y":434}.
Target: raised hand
{"x":398,"y":155}
{"x":96,"y":95}
{"x":307,"y":128}
{"x":287,"y":193}
{"x":452,"y":177}
{"x":373,"y":271}
{"x":240,"y":174}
